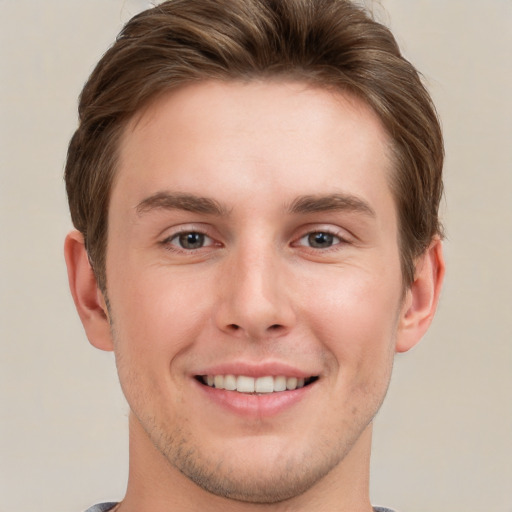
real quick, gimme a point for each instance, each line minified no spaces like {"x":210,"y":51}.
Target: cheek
{"x":157,"y":310}
{"x":356,"y":320}
{"x":154,"y":322}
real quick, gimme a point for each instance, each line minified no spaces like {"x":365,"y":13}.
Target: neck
{"x":154,"y":485}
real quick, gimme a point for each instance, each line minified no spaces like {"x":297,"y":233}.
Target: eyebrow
{"x":178,"y":201}
{"x":331,"y":202}
{"x":205,"y":205}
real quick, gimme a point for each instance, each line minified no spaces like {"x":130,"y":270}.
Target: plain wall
{"x":443,"y":438}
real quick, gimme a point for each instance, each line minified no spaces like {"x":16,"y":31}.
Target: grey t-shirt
{"x":101,"y":507}
{"x":105,"y":507}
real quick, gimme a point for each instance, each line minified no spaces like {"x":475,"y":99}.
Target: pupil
{"x":320,"y":240}
{"x":191,"y":240}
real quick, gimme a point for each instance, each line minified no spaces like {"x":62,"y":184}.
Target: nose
{"x":255,"y":300}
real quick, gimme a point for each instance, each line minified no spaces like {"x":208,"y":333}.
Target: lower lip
{"x":256,"y":406}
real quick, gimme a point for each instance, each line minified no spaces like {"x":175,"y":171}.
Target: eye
{"x":190,"y":240}
{"x":319,"y":240}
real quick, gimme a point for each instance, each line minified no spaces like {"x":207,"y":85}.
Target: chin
{"x":268,"y":484}
{"x":251,"y":470}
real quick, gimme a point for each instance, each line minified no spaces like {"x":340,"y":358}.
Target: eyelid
{"x":189,"y":227}
{"x":336,"y":231}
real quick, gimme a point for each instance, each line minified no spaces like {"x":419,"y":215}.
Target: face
{"x":254,"y":281}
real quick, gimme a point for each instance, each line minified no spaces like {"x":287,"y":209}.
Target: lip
{"x":254,"y":406}
{"x":255,"y":370}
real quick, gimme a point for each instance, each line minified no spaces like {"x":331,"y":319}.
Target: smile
{"x":259,"y":385}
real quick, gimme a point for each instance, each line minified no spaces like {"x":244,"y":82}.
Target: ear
{"x":422,"y":297}
{"x":89,"y":300}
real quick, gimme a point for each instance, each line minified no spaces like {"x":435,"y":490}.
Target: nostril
{"x":274,"y":328}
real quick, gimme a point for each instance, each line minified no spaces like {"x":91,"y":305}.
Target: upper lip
{"x":255,"y":370}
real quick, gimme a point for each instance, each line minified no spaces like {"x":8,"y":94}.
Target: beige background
{"x":443,"y":439}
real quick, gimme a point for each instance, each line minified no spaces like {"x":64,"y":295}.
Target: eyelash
{"x":337,"y":240}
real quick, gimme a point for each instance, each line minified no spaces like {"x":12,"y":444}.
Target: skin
{"x":284,"y":167}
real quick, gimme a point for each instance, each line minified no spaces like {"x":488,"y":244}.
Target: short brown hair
{"x":330,"y":43}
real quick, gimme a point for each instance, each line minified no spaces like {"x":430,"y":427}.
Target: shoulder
{"x":101,"y":507}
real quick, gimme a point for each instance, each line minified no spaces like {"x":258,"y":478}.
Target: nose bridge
{"x":255,"y":302}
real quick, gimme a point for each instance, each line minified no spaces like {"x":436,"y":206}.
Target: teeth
{"x":230,"y":382}
{"x":291,"y":383}
{"x":244,"y":384}
{"x":264,"y":385}
{"x":280,"y":384}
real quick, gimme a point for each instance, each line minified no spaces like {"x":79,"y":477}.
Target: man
{"x":255,"y":187}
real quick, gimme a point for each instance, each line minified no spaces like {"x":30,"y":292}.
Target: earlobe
{"x":422,"y":297}
{"x":88,"y":298}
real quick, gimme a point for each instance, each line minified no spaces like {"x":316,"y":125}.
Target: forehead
{"x":288,"y":136}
